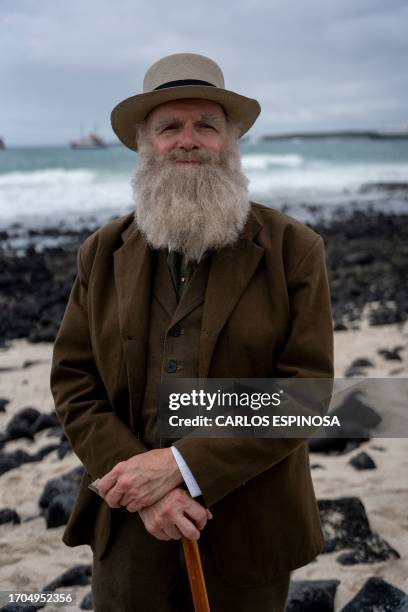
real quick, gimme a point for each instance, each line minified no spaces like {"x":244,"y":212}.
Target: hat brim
{"x":241,"y":110}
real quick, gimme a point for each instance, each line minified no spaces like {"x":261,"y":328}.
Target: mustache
{"x":195,"y":155}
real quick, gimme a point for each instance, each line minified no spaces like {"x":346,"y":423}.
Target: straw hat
{"x":178,"y":76}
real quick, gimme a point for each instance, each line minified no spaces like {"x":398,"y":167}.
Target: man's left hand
{"x":141,"y":480}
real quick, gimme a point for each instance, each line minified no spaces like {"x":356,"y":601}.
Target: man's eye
{"x":205,"y":125}
{"x":167,"y":129}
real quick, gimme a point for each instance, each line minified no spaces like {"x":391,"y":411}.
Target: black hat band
{"x":183,"y":82}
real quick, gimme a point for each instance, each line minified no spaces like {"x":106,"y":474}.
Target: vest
{"x":174,"y":333}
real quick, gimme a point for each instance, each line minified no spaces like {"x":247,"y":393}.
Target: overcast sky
{"x":312,"y":65}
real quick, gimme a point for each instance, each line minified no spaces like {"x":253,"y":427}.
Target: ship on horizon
{"x":88,"y":141}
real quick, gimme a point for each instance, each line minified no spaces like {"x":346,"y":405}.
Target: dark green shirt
{"x":181,"y":271}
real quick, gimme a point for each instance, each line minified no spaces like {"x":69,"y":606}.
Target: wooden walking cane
{"x":195,"y":570}
{"x":195,"y":575}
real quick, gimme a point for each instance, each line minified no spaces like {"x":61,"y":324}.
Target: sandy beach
{"x":31,"y":555}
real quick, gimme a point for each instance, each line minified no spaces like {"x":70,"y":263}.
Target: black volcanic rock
{"x":345,"y":525}
{"x":8,"y":515}
{"x":391,"y":354}
{"x":339,"y":326}
{"x":362,"y":362}
{"x":354,"y":410}
{"x":363,"y":461}
{"x":20,"y":425}
{"x":27,"y":422}
{"x":18,"y":431}
{"x":378,"y":595}
{"x":385,"y":314}
{"x":354,"y":371}
{"x":45,"y":421}
{"x":356,"y":420}
{"x":9,"y":461}
{"x":344,"y":522}
{"x":59,"y":509}
{"x":344,"y":439}
{"x":87,"y":603}
{"x":373,"y":550}
{"x":66,"y":483}
{"x":79,"y":575}
{"x":12,"y":460}
{"x":312,"y":595}
{"x":3,"y":404}
{"x":63,"y":449}
{"x":44,"y":451}
{"x":58,"y":497}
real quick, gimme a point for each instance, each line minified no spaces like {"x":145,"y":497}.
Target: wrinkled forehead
{"x":186,"y":108}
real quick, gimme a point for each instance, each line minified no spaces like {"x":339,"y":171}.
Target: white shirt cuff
{"x":186,"y":473}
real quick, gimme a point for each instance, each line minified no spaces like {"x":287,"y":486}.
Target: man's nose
{"x":187,"y":139}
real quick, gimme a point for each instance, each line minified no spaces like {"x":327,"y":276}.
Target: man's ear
{"x":233,"y":128}
{"x":141,"y":130}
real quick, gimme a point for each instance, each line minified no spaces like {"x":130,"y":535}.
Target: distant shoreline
{"x":371,"y":134}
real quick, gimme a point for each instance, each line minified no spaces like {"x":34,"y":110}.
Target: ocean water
{"x":60,"y":187}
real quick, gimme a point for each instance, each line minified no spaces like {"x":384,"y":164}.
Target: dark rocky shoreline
{"x":367,"y":260}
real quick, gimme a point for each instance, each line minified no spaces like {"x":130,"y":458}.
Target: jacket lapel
{"x":133,"y":268}
{"x":132,"y":265}
{"x":231,"y":270}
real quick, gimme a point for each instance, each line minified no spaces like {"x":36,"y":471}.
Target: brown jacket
{"x":266,"y":314}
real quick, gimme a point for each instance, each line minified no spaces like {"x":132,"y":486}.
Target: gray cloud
{"x":313,"y":65}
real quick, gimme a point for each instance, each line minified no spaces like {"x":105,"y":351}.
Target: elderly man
{"x":198,"y":282}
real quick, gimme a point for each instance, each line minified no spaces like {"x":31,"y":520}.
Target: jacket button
{"x":171,"y":366}
{"x":175,"y":330}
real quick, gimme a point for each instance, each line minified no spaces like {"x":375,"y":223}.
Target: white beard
{"x":190,"y":208}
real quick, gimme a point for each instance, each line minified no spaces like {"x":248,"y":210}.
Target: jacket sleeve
{"x":97,"y":436}
{"x":221,"y":465}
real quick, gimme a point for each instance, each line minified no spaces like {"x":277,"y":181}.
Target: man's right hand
{"x":174,"y":515}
